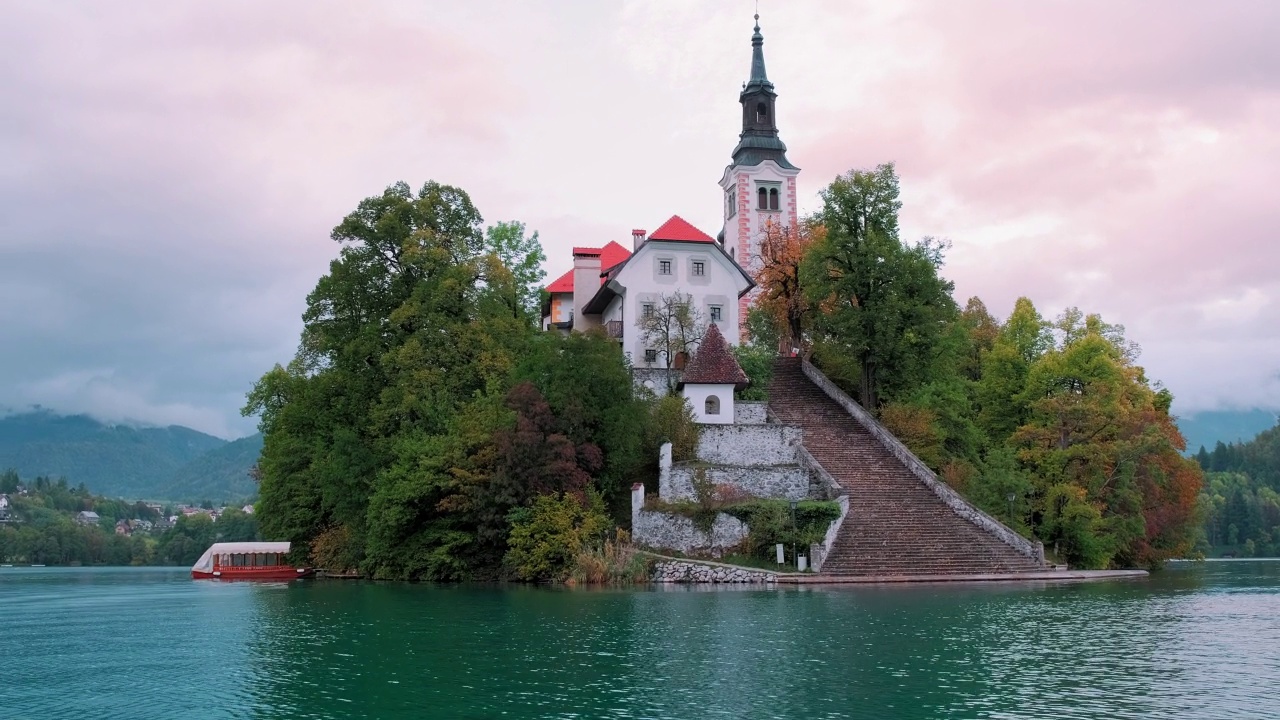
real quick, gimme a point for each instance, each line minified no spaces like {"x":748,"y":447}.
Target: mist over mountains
{"x":117,"y":460}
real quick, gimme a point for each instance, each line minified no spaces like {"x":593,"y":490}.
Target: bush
{"x":672,"y":421}
{"x":547,"y":538}
{"x":770,"y":522}
{"x":615,"y":562}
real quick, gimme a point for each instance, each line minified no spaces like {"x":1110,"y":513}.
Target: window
{"x":764,"y":199}
{"x":646,"y":310}
{"x":650,"y":355}
{"x":715,"y":313}
{"x":699,"y":268}
{"x":762,"y":112}
{"x":730,"y":204}
{"x":773,"y":198}
{"x":713,"y":405}
{"x":664,"y":267}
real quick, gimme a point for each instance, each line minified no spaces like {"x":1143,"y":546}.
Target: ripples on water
{"x":1194,"y":642}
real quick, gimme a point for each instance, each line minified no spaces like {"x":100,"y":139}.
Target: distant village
{"x":166,"y":514}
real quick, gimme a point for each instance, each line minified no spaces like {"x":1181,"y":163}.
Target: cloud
{"x":171,"y":172}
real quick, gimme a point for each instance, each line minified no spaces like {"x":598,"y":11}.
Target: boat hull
{"x":252,"y":573}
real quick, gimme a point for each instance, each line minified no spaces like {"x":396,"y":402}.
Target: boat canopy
{"x":205,"y":563}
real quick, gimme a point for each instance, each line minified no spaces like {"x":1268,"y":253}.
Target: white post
{"x":637,"y":503}
{"x":664,"y":470}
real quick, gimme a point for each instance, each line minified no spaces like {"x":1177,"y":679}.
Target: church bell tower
{"x":760,"y":184}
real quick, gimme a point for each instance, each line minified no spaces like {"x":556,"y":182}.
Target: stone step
{"x":896,"y":525}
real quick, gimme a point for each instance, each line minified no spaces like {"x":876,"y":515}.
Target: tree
{"x":523,"y":257}
{"x":674,"y":327}
{"x":782,"y":295}
{"x":884,"y":306}
{"x":1020,"y":342}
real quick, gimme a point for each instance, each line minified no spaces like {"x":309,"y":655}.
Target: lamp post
{"x":1011,"y":497}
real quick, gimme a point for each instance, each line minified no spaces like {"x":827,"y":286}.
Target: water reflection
{"x":1196,"y":642}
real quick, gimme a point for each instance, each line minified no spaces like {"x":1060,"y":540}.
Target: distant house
{"x":247,"y":509}
{"x":123,"y":528}
{"x":163,"y":524}
{"x":87,"y":517}
{"x":4,"y":502}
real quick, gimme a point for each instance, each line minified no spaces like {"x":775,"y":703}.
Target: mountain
{"x":169,"y":463}
{"x":1228,"y":426}
{"x":221,"y":474}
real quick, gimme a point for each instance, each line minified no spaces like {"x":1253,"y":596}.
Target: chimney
{"x":637,"y":239}
{"x":586,"y":283}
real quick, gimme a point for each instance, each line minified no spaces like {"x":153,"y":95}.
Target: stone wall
{"x":750,"y":413}
{"x":654,"y":379}
{"x":788,"y":482}
{"x":958,"y":504}
{"x":685,"y":571}
{"x":676,"y":532}
{"x":747,"y":445}
{"x":818,"y":552}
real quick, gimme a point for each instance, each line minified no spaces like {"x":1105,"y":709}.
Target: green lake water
{"x":1196,"y":641}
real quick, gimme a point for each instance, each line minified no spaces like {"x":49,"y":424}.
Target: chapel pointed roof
{"x":714,"y":363}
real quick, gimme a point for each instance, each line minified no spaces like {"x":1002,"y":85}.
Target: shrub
{"x":672,"y":421}
{"x":615,"y":562}
{"x":335,"y":550}
{"x":770,"y":522}
{"x":547,"y":538}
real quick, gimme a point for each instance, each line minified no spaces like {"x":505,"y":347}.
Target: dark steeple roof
{"x":714,"y":363}
{"x":759,"y":140}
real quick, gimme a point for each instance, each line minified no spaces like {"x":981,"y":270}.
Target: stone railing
{"x":827,"y":487}
{"x":818,"y":552}
{"x":1035,"y":551}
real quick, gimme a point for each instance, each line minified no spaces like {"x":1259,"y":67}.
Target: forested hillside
{"x":1207,"y":429}
{"x":1241,"y":499}
{"x":170,"y":463}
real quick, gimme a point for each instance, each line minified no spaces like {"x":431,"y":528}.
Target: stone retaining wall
{"x":747,"y":445}
{"x":954,"y":500}
{"x":685,"y":571}
{"x":788,"y":482}
{"x":750,"y":413}
{"x":670,"y":531}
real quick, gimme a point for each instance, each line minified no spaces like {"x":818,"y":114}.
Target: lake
{"x":1196,"y":641}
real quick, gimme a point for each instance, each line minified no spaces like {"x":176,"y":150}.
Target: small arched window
{"x":773,"y":198}
{"x":713,"y":405}
{"x":764,"y":199}
{"x":762,"y":112}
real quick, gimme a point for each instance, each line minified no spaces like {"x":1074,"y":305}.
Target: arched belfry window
{"x":773,"y":198}
{"x":764,"y":199}
{"x":713,"y":405}
{"x":762,"y":112}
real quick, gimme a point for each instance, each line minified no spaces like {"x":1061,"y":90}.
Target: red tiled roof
{"x":677,"y":228}
{"x":610,"y":255}
{"x":714,"y":363}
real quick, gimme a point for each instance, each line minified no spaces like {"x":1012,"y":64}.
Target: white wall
{"x":697,"y":396}
{"x":644,"y":284}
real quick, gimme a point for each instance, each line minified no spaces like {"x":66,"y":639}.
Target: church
{"x":615,"y":288}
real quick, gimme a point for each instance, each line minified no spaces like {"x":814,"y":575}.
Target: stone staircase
{"x":896,"y":526}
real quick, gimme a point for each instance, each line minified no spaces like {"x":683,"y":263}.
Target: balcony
{"x":614,"y":329}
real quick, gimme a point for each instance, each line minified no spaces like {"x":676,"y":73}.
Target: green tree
{"x":883,"y":305}
{"x":523,"y":257}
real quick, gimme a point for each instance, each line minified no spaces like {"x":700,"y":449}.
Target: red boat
{"x":247,"y":561}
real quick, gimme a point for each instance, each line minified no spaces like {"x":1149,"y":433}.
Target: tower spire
{"x":758,"y":75}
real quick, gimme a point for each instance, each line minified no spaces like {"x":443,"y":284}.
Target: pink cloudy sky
{"x":171,"y":170}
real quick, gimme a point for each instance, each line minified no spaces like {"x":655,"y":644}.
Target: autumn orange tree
{"x":782,"y":297}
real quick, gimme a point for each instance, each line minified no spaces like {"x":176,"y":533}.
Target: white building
{"x":676,"y":258}
{"x":710,"y":378}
